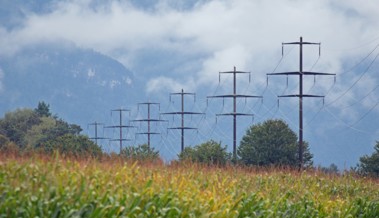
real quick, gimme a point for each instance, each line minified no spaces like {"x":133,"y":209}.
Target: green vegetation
{"x":44,"y":187}
{"x":272,"y":143}
{"x":85,"y":182}
{"x":27,"y":130}
{"x":141,"y":152}
{"x":210,"y":152}
{"x":269,"y":144}
{"x":369,"y":165}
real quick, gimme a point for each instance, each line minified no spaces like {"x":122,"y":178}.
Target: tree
{"x":43,"y":109}
{"x":39,"y":134}
{"x":210,"y":152}
{"x":48,"y":129}
{"x":369,"y":165}
{"x":140,"y":152}
{"x":72,"y":145}
{"x":7,"y":146}
{"x":272,"y":143}
{"x":3,"y":141}
{"x":37,"y":129}
{"x":332,"y":169}
{"x":15,"y":125}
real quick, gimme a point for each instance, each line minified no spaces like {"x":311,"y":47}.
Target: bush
{"x":140,"y":152}
{"x":210,"y":152}
{"x":72,"y":145}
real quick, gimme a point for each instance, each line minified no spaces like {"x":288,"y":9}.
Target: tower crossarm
{"x":306,"y":95}
{"x":235,"y":114}
{"x":147,"y":133}
{"x":114,"y":140}
{"x":149,"y":120}
{"x":235,"y":96}
{"x":120,"y":126}
{"x":180,"y":112}
{"x":182,"y":128}
{"x":303,"y":73}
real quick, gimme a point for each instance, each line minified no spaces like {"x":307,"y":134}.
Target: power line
{"x":364,"y":115}
{"x":355,"y":82}
{"x":362,"y":98}
{"x":344,"y":123}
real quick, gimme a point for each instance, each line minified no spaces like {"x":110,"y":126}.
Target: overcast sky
{"x":184,"y":44}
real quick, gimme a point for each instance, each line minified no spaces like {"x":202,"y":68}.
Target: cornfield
{"x":36,"y":187}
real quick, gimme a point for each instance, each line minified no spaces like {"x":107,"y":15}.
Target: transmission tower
{"x":148,"y":120}
{"x":301,"y":73}
{"x":120,"y":127}
{"x":96,"y":124}
{"x":182,"y":113}
{"x":234,"y":96}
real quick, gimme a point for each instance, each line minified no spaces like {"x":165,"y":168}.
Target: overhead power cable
{"x":355,"y":82}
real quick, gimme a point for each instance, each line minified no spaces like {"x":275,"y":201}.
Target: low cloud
{"x":166,"y":84}
{"x":242,"y":33}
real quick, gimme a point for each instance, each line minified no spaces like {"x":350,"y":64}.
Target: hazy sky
{"x":184,"y":44}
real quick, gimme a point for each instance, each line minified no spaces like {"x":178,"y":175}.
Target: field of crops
{"x":36,"y":187}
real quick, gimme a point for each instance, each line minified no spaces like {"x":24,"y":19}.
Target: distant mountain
{"x":81,"y":85}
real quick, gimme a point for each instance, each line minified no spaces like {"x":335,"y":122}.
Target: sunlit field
{"x":56,"y":187}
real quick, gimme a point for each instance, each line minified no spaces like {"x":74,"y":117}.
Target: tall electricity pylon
{"x":96,"y":124}
{"x":301,"y":73}
{"x":148,"y":120}
{"x":234,"y":96}
{"x":120,"y":127}
{"x":182,"y":113}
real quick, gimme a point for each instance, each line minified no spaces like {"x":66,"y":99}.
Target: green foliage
{"x":37,"y":129}
{"x":140,"y":152}
{"x":271,"y":143}
{"x":60,"y":128}
{"x":40,"y":133}
{"x":210,"y":152}
{"x":369,"y":165}
{"x":332,"y":169}
{"x":43,"y":109}
{"x":3,"y":140}
{"x":72,"y":145}
{"x":7,"y":146}
{"x":15,"y":125}
{"x":67,"y":188}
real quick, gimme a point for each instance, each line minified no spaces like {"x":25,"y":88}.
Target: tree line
{"x":270,"y":143}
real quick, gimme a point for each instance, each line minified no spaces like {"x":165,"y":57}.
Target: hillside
{"x":73,"y":80}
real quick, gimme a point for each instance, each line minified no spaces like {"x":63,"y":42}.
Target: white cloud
{"x":226,"y":33}
{"x":163,"y":83}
